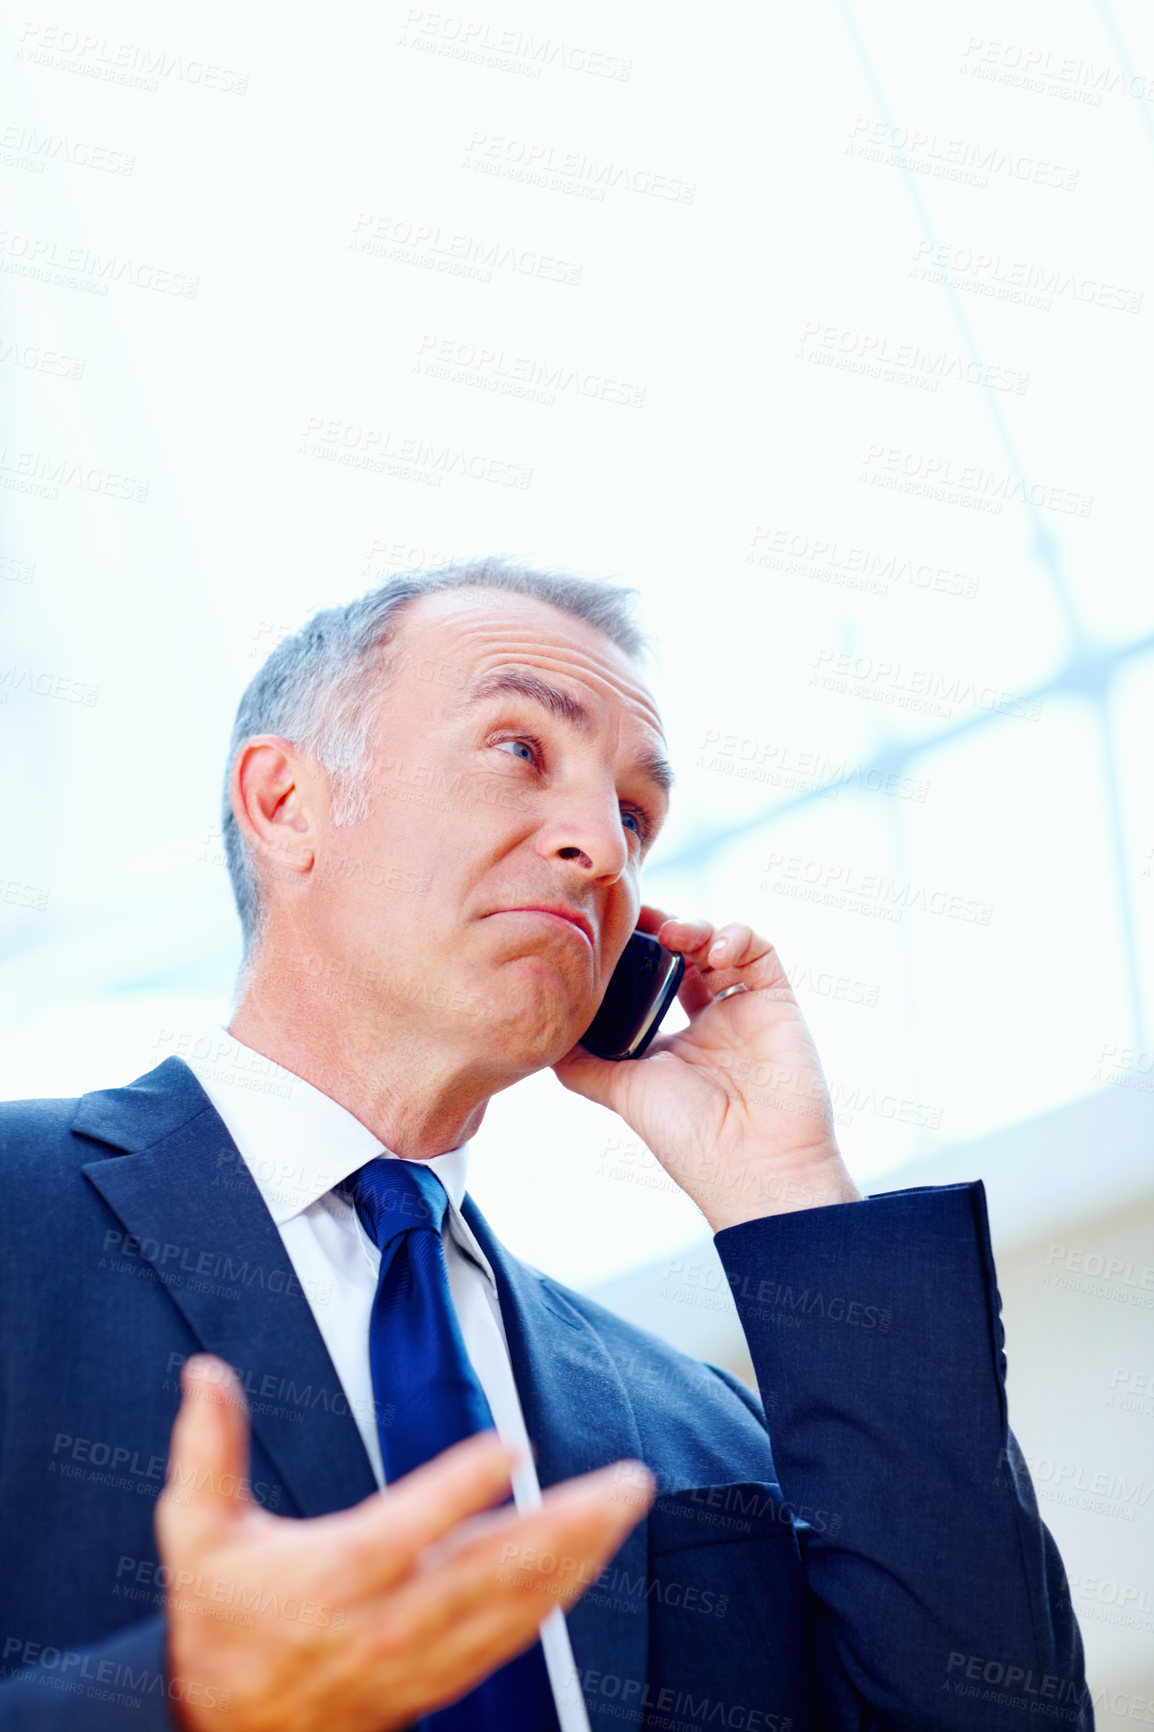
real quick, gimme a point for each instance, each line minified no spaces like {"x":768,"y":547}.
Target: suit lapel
{"x":579,"y":1416}
{"x":217,"y":1252}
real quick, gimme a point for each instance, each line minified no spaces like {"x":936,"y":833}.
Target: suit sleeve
{"x":938,"y":1601}
{"x":119,"y":1685}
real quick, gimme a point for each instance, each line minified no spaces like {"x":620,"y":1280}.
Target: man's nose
{"x":590,"y":835}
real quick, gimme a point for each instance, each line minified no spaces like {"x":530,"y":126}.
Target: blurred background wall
{"x":829,"y":329}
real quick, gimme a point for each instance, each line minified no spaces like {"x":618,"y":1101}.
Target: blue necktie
{"x":428,"y":1397}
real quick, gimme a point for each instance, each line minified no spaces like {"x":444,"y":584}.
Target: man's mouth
{"x":574,"y":918}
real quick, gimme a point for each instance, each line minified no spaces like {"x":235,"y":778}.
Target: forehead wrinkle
{"x":511,"y":627}
{"x":492,"y":641}
{"x":574,"y":662}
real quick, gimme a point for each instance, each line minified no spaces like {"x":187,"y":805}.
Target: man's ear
{"x":276,"y":795}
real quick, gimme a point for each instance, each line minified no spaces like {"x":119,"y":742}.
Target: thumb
{"x":598,"y":1079}
{"x":207,"y":1489}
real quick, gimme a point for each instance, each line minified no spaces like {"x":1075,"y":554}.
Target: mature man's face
{"x":516,"y":783}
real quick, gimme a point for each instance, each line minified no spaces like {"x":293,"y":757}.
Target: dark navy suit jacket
{"x":884,"y":1567}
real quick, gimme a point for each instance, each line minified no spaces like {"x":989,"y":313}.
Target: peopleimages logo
{"x":1018,"y":1686}
{"x":69,"y":1670}
{"x":482,"y":44}
{"x":1022,"y":282}
{"x":958,"y":159}
{"x":475,"y":257}
{"x":50,"y":260}
{"x":384,"y":451}
{"x":883,"y":681}
{"x":852,"y":565}
{"x":843,"y":885}
{"x":540,"y":162}
{"x":134,"y":64}
{"x":934,"y":476}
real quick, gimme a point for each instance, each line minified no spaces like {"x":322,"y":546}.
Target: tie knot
{"x":394,"y":1196}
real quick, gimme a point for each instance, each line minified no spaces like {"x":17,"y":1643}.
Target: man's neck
{"x":416,"y":1101}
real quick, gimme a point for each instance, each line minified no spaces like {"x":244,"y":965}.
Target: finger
{"x":691,"y":939}
{"x":496,"y":1630}
{"x":207,"y":1489}
{"x":481,"y":1644}
{"x":377,"y":1542}
{"x":510,"y":1569}
{"x":736,"y":952}
{"x":715,"y":957}
{"x":605,"y":1502}
{"x":731,"y":946}
{"x":472,"y":1609}
{"x":468,"y":1650}
{"x":685,"y":936}
{"x":757,"y":966}
{"x":586,"y":1074}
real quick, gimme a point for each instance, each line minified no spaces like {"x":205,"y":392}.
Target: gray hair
{"x":315,"y":686}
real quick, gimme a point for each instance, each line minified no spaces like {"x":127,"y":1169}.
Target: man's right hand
{"x":364,"y":1620}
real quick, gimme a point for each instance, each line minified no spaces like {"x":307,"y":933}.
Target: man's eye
{"x":637,"y":820}
{"x":518,"y":748}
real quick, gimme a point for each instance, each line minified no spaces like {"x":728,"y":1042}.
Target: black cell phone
{"x":640,"y":991}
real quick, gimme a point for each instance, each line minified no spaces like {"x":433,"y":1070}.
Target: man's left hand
{"x":735,"y":1106}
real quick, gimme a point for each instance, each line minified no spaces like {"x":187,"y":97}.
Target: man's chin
{"x":533,"y":1032}
{"x":534,"y":1044}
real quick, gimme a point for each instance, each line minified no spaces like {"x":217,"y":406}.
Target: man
{"x":441,"y":798}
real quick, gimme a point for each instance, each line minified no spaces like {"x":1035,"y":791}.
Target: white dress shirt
{"x":298,"y":1144}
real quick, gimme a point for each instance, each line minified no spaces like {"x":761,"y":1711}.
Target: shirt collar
{"x":297,"y":1143}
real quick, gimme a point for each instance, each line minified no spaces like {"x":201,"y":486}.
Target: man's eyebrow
{"x":657,"y":767}
{"x":519,"y":682}
{"x":522,"y":684}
